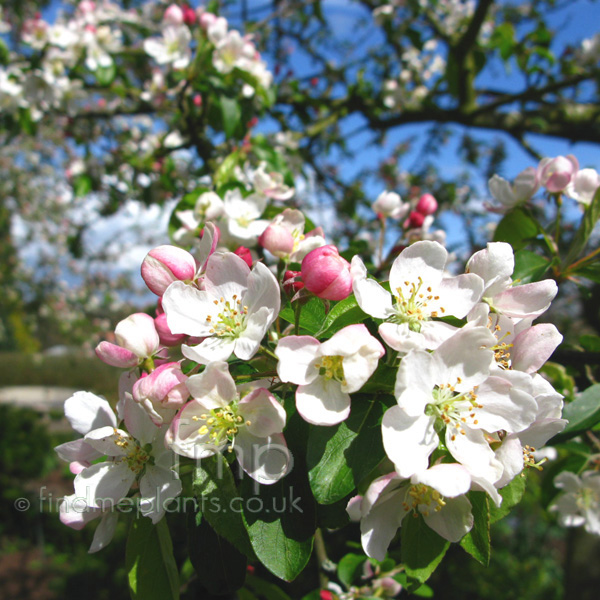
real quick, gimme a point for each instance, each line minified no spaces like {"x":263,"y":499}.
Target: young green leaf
{"x":219,"y":501}
{"x":511,"y":496}
{"x":339,"y":457}
{"x":583,"y":413}
{"x":280,"y":520}
{"x":517,"y":228}
{"x":221,"y":568}
{"x":151,"y":568}
{"x":422,"y":548}
{"x":477,"y":541}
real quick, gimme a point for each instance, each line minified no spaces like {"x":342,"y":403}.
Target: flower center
{"x":331,"y":367}
{"x":412,"y":304}
{"x":230,"y":321}
{"x":501,"y":349}
{"x":587,"y":499}
{"x":453,"y":409}
{"x":136,"y":457}
{"x":423,"y":496}
{"x":221,"y":424}
{"x":298,"y":237}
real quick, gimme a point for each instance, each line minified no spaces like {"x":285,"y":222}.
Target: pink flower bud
{"x":189,"y":15}
{"x":291,"y":282}
{"x":115,"y":356}
{"x":197,"y":100}
{"x":162,"y":389}
{"x":278,"y":240}
{"x":164,"y":333}
{"x":137,"y":339}
{"x":427,"y":204}
{"x":207,"y":19}
{"x":326,"y":274}
{"x":163,"y":385}
{"x":165,"y":264}
{"x":138,"y":334}
{"x":173,"y":15}
{"x":245,"y":254}
{"x":415,"y":220}
{"x":556,"y":173}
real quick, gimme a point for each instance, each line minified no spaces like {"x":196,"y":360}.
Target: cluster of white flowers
{"x":238,"y":216}
{"x":419,"y":68}
{"x":471,"y":406}
{"x":94,"y":35}
{"x":559,"y":175}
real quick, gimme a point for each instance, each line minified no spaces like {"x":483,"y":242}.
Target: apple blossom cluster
{"x":559,"y":175}
{"x":416,"y":216}
{"x":418,"y":69}
{"x":99,"y":34}
{"x":469,"y":405}
{"x":579,"y":501}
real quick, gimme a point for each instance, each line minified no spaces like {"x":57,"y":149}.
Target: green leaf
{"x":231,"y":114}
{"x":583,"y":413}
{"x":339,"y":457}
{"x":4,"y":53}
{"x":149,"y":560}
{"x":264,"y":589}
{"x":219,"y":501}
{"x":511,"y":496}
{"x":477,"y":541}
{"x":225,"y":172}
{"x":423,"y":590}
{"x":560,"y":379}
{"x":106,"y":75}
{"x":280,"y":519}
{"x":350,"y":567}
{"x":221,"y":568}
{"x":311,"y":316}
{"x":517,"y":228}
{"x":346,"y":312}
{"x":590,"y":217}
{"x":333,"y":516}
{"x":382,"y":381}
{"x":503,"y":38}
{"x":82,"y":185}
{"x":591,"y":272}
{"x":422,"y":548}
{"x":591,"y":343}
{"x":529,"y":266}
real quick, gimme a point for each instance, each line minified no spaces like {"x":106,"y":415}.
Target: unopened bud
{"x":326,"y":274}
{"x":165,"y":264}
{"x":427,"y":204}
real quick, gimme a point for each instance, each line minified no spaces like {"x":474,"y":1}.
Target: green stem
{"x":297,"y":311}
{"x":322,"y":559}
{"x":381,"y":242}
{"x":268,"y":352}
{"x":585,"y":259}
{"x":557,"y":229}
